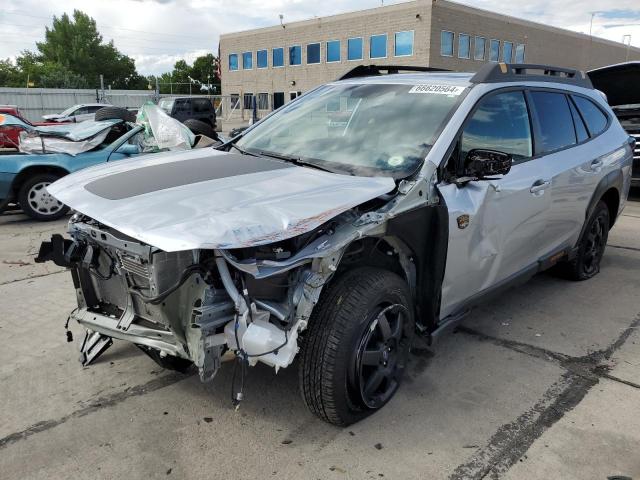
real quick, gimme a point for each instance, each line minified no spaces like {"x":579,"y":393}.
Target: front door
{"x":495,"y":225}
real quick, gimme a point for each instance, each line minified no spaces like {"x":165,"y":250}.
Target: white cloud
{"x":156,"y":33}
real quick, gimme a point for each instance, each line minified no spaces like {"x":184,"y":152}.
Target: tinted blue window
{"x":354,"y":49}
{"x":247,"y":61}
{"x":446,"y":44}
{"x":520,"y":53}
{"x":464,"y":46}
{"x":333,"y":51}
{"x":378,"y":46}
{"x":278,"y":57}
{"x":295,"y":55}
{"x":262,"y":59}
{"x":507,"y":52}
{"x":494,"y":51}
{"x":404,"y":44}
{"x":233,"y":61}
{"x":480,"y":46}
{"x":313,"y":53}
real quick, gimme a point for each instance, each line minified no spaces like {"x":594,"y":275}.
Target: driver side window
{"x":501,"y":122}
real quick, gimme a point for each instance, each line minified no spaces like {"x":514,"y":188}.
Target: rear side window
{"x":595,"y":119}
{"x":183,"y":106}
{"x":581,"y":130}
{"x":501,"y":122}
{"x":556,"y":123}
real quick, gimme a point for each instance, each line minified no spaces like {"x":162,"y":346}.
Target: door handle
{"x":539,"y":185}
{"x":596,"y":164}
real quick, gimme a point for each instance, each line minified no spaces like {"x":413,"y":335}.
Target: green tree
{"x":75,"y":43}
{"x":9,"y":74}
{"x":205,"y":69}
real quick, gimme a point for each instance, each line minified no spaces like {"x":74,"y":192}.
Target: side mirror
{"x":128,"y":149}
{"x":481,"y":163}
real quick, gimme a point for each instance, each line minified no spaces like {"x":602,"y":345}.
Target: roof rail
{"x":516,"y":72}
{"x":371,"y":70}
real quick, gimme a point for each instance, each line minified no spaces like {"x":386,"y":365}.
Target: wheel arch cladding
{"x":32,"y":170}
{"x":425,"y":231}
{"x":609,"y":191}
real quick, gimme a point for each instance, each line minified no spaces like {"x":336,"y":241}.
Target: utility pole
{"x":101,"y":88}
{"x":626,"y":39}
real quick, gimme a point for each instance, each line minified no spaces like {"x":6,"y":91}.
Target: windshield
{"x":166,"y":104}
{"x":69,"y":111}
{"x":367,"y":129}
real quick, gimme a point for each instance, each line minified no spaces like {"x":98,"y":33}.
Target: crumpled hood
{"x":211,"y":199}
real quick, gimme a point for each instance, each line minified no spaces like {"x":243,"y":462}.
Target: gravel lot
{"x":542,"y":383}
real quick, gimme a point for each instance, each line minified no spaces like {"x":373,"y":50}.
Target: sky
{"x":157,"y":33}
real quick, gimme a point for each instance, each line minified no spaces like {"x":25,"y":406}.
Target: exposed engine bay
{"x":194,"y":306}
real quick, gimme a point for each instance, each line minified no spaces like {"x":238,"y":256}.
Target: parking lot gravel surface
{"x":543,"y":382}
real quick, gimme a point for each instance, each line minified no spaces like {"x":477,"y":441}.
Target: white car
{"x":77,"y":113}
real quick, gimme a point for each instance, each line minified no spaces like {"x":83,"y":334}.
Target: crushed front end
{"x":190,"y":307}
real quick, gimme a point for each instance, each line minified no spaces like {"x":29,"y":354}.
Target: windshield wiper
{"x":242,"y":150}
{"x":293,"y":159}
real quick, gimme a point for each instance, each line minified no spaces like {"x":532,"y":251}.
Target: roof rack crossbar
{"x":372,"y":70}
{"x":517,"y":72}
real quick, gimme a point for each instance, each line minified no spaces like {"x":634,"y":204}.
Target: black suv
{"x":621,"y":84}
{"x":190,"y":108}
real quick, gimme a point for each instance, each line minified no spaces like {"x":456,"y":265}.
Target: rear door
{"x":495,"y":225}
{"x":564,"y":125}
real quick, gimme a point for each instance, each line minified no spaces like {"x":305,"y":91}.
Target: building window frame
{"x":295,"y":64}
{"x":243,"y":62}
{"x":361,"y":49}
{"x":504,"y":44}
{"x":524,"y":52}
{"x":386,"y":45}
{"x":262,"y":101}
{"x":475,"y":48}
{"x":319,"y":44}
{"x":395,"y":43}
{"x":273,"y":64}
{"x":266,"y":51}
{"x":453,"y":43}
{"x":490,"y":43}
{"x":338,"y":41}
{"x":460,"y":36}
{"x":237,"y":62}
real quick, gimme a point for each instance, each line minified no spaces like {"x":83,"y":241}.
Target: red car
{"x":10,"y":135}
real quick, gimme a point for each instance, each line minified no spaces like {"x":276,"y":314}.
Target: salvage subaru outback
{"x":370,"y":210}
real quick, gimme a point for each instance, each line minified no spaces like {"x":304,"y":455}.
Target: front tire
{"x":36,"y":202}
{"x":357,"y":346}
{"x":591,"y":246}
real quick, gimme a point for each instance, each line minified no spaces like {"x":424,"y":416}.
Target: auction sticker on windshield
{"x":437,"y":89}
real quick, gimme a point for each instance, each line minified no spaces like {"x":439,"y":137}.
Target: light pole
{"x":626,"y":39}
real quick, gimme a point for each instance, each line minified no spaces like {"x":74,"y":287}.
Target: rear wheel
{"x":591,"y":246}
{"x":357,"y":345}
{"x":36,"y":202}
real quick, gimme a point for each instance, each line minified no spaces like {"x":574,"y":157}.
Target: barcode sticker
{"x":437,"y":89}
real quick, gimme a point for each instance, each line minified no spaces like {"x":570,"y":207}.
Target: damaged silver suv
{"x":370,"y":210}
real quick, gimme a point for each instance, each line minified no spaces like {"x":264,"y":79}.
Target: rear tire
{"x":36,"y":202}
{"x":198,"y":127}
{"x":591,"y":247}
{"x":115,"y":113}
{"x":357,"y":346}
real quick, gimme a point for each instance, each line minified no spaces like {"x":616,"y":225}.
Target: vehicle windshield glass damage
{"x":371,"y":129}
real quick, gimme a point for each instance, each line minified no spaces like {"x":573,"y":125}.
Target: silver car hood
{"x":210,"y":199}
